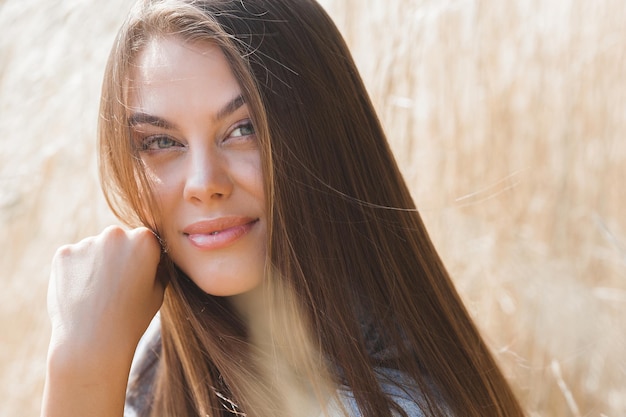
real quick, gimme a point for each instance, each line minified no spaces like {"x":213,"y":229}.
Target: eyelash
{"x":145,"y":144}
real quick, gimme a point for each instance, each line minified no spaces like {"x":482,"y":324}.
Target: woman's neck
{"x":285,"y":355}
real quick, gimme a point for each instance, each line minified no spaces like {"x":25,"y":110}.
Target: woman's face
{"x":196,"y":140}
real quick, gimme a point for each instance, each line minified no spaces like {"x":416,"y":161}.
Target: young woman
{"x":271,"y":228}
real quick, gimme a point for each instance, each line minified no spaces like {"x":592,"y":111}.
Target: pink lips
{"x":218,"y":233}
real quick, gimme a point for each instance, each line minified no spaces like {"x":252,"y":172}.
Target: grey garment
{"x":396,"y":385}
{"x":143,"y":372}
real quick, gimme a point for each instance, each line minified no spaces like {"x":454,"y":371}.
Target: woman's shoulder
{"x":396,"y":385}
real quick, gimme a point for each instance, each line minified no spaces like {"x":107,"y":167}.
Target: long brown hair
{"x":345,"y":238}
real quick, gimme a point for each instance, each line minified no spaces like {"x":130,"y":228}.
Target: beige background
{"x":507,"y":117}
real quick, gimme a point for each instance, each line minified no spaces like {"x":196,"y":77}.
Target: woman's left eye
{"x":244,"y":129}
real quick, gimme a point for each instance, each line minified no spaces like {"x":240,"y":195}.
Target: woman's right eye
{"x":155,"y":143}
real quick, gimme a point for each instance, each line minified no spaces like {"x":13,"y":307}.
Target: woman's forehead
{"x":171,"y":57}
{"x":173,"y":74}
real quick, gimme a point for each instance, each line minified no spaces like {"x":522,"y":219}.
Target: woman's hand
{"x":103,"y":293}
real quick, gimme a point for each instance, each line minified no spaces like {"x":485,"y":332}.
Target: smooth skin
{"x":199,"y":149}
{"x":196,"y":140}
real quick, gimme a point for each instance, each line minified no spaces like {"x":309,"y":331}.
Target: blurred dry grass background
{"x":506,"y":117}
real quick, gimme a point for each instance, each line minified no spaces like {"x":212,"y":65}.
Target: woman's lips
{"x":219,"y":232}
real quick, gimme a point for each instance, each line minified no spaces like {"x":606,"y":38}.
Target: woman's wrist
{"x":85,"y":381}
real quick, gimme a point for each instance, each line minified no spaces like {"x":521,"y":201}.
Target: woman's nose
{"x":207,"y":178}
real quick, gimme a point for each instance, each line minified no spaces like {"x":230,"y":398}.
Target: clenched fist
{"x":104,"y":290}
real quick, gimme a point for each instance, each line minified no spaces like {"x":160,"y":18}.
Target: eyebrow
{"x":148,"y":119}
{"x":230,"y":107}
{"x":140,"y":118}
